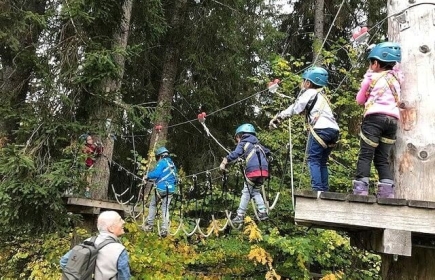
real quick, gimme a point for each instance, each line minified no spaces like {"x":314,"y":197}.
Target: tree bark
{"x":169,"y":74}
{"x":414,"y":160}
{"x":319,"y":22}
{"x":100,"y":178}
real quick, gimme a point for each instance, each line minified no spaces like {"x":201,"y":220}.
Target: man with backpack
{"x":255,"y":171}
{"x":101,"y":257}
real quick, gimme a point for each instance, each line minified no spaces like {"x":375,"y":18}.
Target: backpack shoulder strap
{"x":106,"y":242}
{"x":91,"y":241}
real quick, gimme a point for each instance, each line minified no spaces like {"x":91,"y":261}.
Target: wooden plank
{"x":79,"y":209}
{"x":307,"y":193}
{"x":386,"y":241}
{"x":350,"y":215}
{"x":97,"y":204}
{"x":362,"y":198}
{"x":396,"y":242}
{"x":333,"y":196}
{"x":421,"y":204}
{"x":392,"y":201}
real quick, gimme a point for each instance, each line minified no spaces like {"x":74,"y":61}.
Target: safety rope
{"x":201,"y":119}
{"x":290,"y":156}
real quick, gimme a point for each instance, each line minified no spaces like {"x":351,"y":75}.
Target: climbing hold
{"x":158,"y":128}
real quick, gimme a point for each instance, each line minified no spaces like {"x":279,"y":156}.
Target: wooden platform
{"x":391,"y":222}
{"x":80,"y":205}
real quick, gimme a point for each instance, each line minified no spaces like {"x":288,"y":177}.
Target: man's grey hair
{"x":107,"y":219}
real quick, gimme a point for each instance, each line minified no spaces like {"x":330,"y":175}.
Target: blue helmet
{"x":160,"y":151}
{"x":316,"y":75}
{"x":246,"y":128}
{"x":386,"y":52}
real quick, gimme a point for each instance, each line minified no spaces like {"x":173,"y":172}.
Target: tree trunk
{"x":169,"y":74}
{"x":415,"y":267}
{"x":100,"y":178}
{"x":415,"y":149}
{"x":319,"y":22}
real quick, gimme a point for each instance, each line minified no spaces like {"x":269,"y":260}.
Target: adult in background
{"x":112,"y":260}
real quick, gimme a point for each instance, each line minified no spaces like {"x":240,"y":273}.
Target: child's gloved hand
{"x":274,"y":122}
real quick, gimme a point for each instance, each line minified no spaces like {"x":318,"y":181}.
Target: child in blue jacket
{"x":256,"y":170}
{"x":164,"y":176}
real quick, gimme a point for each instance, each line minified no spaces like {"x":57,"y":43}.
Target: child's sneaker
{"x":163,"y":233}
{"x":147,"y":228}
{"x":238,"y":220}
{"x":263,"y":216}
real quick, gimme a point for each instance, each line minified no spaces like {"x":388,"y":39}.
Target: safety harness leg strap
{"x":374,"y":144}
{"x":320,"y":140}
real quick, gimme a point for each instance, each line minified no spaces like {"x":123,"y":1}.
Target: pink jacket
{"x":380,"y":100}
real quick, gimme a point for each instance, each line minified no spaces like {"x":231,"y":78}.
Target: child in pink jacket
{"x":380,"y":94}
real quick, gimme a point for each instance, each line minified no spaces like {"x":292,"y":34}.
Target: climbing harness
{"x":311,"y":124}
{"x":390,"y":80}
{"x":390,"y":83}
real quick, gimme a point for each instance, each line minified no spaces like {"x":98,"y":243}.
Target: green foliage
{"x":30,"y":197}
{"x":228,"y":53}
{"x":32,"y":257}
{"x":154,"y":258}
{"x":300,"y":253}
{"x":232,"y":256}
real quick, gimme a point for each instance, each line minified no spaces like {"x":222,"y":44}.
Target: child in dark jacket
{"x":256,"y":170}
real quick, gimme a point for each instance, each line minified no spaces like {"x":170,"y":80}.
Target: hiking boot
{"x":163,"y":233}
{"x":238,"y":220}
{"x":385,"y":190}
{"x":262,"y":216}
{"x":360,"y":187}
{"x":147,"y":228}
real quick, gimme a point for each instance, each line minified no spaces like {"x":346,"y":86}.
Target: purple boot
{"x":385,"y":190}
{"x":360,"y":187}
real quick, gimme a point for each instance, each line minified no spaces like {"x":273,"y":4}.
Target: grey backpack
{"x":82,"y":260}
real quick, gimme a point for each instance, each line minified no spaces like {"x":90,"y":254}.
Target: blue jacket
{"x":165,"y":175}
{"x":254,"y":154}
